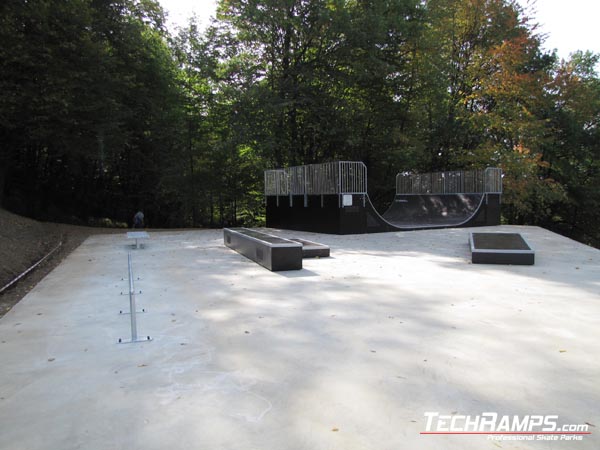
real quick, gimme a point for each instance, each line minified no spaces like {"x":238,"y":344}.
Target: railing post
{"x":304,"y":171}
{"x":339,"y":184}
{"x":277,"y":188}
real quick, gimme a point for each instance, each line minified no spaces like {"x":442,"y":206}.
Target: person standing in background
{"x":138,"y":220}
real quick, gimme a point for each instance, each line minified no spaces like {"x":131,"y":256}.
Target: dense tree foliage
{"x":103,"y":111}
{"x":89,"y":106}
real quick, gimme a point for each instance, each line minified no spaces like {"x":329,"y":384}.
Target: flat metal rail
{"x":132,"y":310}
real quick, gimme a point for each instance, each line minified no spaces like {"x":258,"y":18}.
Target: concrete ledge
{"x":312,"y":249}
{"x":271,"y":252}
{"x":500,"y":248}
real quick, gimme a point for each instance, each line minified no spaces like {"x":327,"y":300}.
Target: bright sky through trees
{"x":180,"y":10}
{"x":569,"y":26}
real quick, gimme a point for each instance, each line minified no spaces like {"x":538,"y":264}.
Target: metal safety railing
{"x":339,"y":177}
{"x":455,"y":182}
{"x":276,"y":182}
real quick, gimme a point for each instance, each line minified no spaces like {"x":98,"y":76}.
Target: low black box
{"x":272,"y":252}
{"x":500,"y":248}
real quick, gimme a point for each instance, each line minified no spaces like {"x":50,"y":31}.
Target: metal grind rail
{"x":132,"y":308}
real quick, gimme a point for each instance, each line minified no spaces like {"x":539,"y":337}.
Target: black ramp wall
{"x":325,"y":214}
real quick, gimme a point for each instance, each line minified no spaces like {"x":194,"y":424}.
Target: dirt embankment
{"x":23,"y":242}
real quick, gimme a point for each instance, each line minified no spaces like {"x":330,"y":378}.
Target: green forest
{"x":103,"y":111}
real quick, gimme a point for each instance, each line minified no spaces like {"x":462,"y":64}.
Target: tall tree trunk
{"x":192,"y":181}
{"x":212,"y":210}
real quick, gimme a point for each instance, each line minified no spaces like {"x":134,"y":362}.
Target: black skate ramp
{"x":419,"y":212}
{"x":332,"y":198}
{"x":440,"y":210}
{"x":323,"y":214}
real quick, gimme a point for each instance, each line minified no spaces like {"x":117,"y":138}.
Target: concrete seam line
{"x":30,"y":269}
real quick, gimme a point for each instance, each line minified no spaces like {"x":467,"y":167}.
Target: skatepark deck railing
{"x":457,"y":182}
{"x":339,"y":177}
{"x":276,"y":182}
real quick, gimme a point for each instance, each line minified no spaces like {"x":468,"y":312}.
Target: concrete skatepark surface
{"x":348,"y":353}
